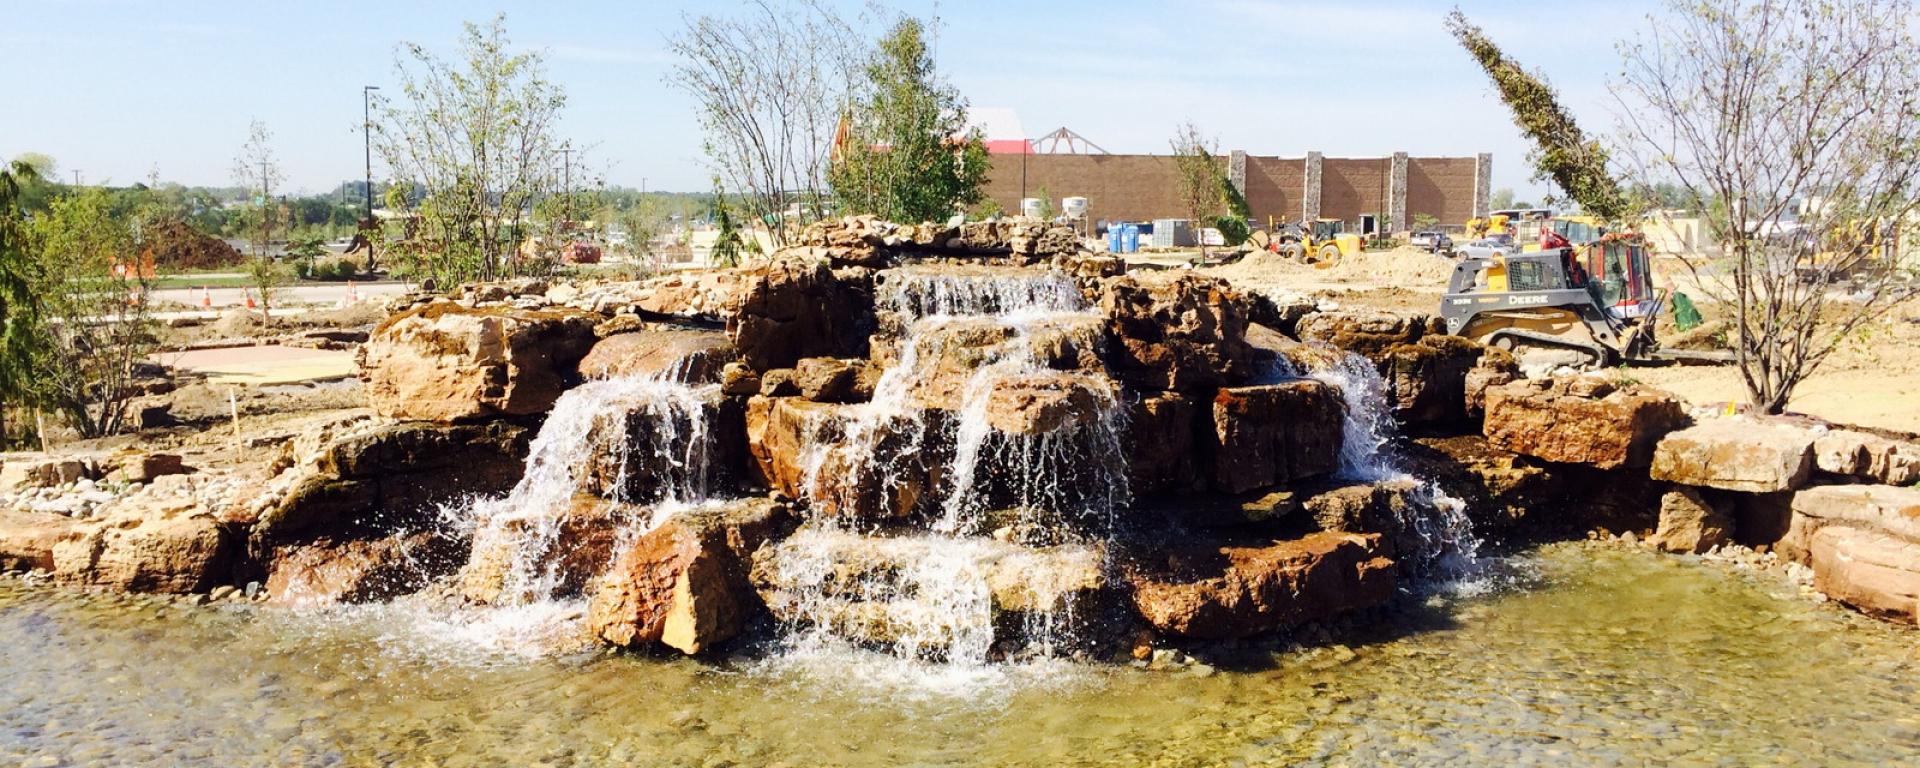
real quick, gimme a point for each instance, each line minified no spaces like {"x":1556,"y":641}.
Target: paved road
{"x":324,"y":293}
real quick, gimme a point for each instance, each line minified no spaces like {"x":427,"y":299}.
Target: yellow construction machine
{"x":1320,"y":243}
{"x":1589,"y":304}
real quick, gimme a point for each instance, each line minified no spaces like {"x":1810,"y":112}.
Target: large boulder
{"x":927,"y":593}
{"x":797,"y":448}
{"x":671,"y":355}
{"x":1216,"y":592}
{"x":362,"y":479}
{"x":1885,"y":509}
{"x":1162,"y":435}
{"x":1580,"y":420}
{"x":1736,"y":455}
{"x":795,"y":307}
{"x":1047,"y":403}
{"x":27,"y":538}
{"x":1368,"y":334}
{"x":1691,"y":523}
{"x":1867,"y":456}
{"x":1187,"y":334}
{"x":1427,"y":379}
{"x":1502,"y":490}
{"x":444,"y":362}
{"x":149,"y":543}
{"x":1270,"y":434}
{"x":360,"y":570}
{"x":1877,"y":573}
{"x":522,"y":554}
{"x":684,"y":584}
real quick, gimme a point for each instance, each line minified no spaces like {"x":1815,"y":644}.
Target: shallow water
{"x":1593,"y":656}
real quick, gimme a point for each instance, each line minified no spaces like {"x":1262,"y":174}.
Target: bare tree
{"x":1792,"y":122}
{"x":772,"y":85}
{"x":478,"y":135}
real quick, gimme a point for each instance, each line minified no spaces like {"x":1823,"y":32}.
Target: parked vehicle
{"x":1433,"y":241}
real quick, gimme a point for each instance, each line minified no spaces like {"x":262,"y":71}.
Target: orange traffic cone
{"x":206,"y":298}
{"x":249,"y":295}
{"x":353,"y":293}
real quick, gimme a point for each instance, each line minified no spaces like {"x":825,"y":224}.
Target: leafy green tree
{"x":727,"y":248}
{"x":1562,"y":152}
{"x":907,"y":155}
{"x":1202,"y":181}
{"x":93,"y":326}
{"x":478,"y":136}
{"x":1502,"y":199}
{"x":19,"y":311}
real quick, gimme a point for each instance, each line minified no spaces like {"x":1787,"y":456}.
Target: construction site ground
{"x":1872,"y":379}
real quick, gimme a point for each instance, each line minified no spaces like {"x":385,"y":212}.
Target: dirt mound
{"x":1401,"y":266}
{"x":178,"y":246}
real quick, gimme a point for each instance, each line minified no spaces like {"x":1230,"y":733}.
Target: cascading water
{"x":1054,"y":478}
{"x":1448,"y":545}
{"x":615,"y":457}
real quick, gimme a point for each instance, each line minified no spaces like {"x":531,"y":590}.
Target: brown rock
{"x":1880,"y":508}
{"x":1736,"y":455}
{"x":1160,"y":443}
{"x":1874,"y":572}
{"x":1494,"y":368}
{"x":144,"y":468}
{"x":870,"y":586}
{"x":1568,"y":421}
{"x":795,"y":307}
{"x":1867,"y":456}
{"x":1187,"y":334}
{"x":1046,"y":403}
{"x":736,"y":380}
{"x":674,"y":355}
{"x":445,"y":363}
{"x":172,"y":547}
{"x":27,"y":538}
{"x":359,"y":571}
{"x":684,"y":584}
{"x":1690,"y":523}
{"x":572,"y":546}
{"x":1427,"y":379}
{"x":1275,"y":433}
{"x":825,"y":379}
{"x":1369,"y":335}
{"x":1217,"y":592}
{"x":369,"y":480}
{"x":783,"y":435}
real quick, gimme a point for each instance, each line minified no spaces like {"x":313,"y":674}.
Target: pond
{"x":1578,"y":654}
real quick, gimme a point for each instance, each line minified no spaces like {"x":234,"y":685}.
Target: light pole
{"x":366,"y":140}
{"x":566,"y":184}
{"x":366,"y":135}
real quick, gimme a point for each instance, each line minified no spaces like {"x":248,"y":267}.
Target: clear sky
{"x":118,"y":89}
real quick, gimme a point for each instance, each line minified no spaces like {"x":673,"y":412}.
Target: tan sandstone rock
{"x":446,"y":363}
{"x":671,"y":355}
{"x":1270,"y":434}
{"x":1736,"y":455}
{"x":1867,"y":456}
{"x":684,"y":584}
{"x":1217,"y":592}
{"x":1690,"y":523}
{"x":1580,"y":420}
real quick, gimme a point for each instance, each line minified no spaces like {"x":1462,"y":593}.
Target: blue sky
{"x":116,"y":89}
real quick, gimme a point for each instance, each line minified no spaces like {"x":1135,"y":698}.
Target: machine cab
{"x":1625,"y":277}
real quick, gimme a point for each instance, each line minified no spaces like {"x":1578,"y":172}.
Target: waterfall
{"x":1056,"y":480}
{"x":1448,"y":545}
{"x":621,"y":442}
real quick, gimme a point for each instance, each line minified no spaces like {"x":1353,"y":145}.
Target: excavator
{"x":1593,"y":302}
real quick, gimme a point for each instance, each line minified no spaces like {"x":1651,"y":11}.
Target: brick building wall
{"x":1145,"y":187}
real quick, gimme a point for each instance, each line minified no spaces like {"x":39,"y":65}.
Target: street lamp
{"x":366,"y":134}
{"x":366,"y":139}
